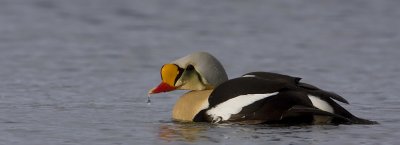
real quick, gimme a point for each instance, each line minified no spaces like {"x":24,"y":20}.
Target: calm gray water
{"x":78,"y":71}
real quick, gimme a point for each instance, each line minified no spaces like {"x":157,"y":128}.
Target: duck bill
{"x":162,"y":87}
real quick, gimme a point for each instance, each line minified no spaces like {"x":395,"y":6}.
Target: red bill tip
{"x":162,"y":87}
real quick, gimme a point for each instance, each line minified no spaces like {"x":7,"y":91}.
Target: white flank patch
{"x":234,"y":105}
{"x":249,"y":76}
{"x":320,"y":104}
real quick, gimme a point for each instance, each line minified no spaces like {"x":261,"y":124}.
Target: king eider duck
{"x":254,"y":98}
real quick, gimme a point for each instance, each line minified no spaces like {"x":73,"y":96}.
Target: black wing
{"x":290,"y":105}
{"x":243,"y":86}
{"x":311,"y":89}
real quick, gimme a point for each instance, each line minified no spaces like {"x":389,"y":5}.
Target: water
{"x":78,"y":71}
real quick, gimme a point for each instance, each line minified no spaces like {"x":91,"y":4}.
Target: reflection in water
{"x":200,"y":132}
{"x":190,"y":132}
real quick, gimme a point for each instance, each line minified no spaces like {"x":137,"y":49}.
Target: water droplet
{"x":148,"y":99}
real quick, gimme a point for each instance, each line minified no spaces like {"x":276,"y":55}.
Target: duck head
{"x":196,"y":71}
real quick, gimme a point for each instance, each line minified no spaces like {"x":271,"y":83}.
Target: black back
{"x":290,"y":105}
{"x":311,"y":89}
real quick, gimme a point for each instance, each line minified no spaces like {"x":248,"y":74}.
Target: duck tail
{"x":356,"y":120}
{"x":349,"y":118}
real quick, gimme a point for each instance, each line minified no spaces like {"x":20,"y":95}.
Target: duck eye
{"x":190,"y":67}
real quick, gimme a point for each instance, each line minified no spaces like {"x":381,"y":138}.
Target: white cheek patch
{"x":224,"y":110}
{"x":320,"y":104}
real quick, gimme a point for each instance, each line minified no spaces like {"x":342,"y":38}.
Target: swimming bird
{"x":253,"y":98}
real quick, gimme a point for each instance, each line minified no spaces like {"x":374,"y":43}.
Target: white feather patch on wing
{"x":320,"y":104}
{"x":246,"y":76}
{"x":235,"y":105}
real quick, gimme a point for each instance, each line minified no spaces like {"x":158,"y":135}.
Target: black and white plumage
{"x":254,"y":98}
{"x":264,"y":97}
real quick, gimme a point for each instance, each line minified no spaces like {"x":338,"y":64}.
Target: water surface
{"x":78,"y":71}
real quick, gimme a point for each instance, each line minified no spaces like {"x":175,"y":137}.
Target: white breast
{"x":320,"y":104}
{"x":224,"y":110}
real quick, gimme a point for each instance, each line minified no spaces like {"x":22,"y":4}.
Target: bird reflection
{"x":181,"y":131}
